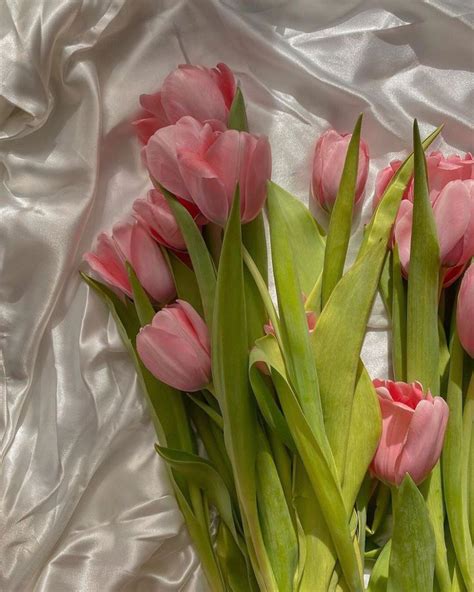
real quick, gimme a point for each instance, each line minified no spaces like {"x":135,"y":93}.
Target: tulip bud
{"x":413,"y":427}
{"x":176,"y":348}
{"x":328,"y":164}
{"x":194,"y":162}
{"x":465,"y":311}
{"x":131,"y":242}
{"x":453,"y":212}
{"x":203,"y":93}
{"x":155,"y":214}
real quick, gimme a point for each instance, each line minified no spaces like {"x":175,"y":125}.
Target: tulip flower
{"x":413,"y":427}
{"x":453,"y":211}
{"x":203,"y":166}
{"x":465,"y":311}
{"x":155,"y":214}
{"x":440,"y":171}
{"x":203,"y":93}
{"x":328,"y":163}
{"x":131,"y":242}
{"x":176,"y":348}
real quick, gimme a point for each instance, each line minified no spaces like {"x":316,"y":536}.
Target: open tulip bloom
{"x":316,"y":472}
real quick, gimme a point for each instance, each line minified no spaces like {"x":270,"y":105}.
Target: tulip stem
{"x":263,"y":291}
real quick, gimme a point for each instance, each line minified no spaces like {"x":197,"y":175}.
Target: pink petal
{"x":225,"y":80}
{"x":424,"y":440}
{"x":465,"y":311}
{"x":402,"y":233}
{"x":150,"y":266}
{"x":108,"y":264}
{"x":192,"y":91}
{"x":452,"y":215}
{"x":255,"y":171}
{"x":198,"y":325}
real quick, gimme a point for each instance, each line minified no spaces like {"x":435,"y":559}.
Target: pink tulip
{"x":131,"y":242}
{"x":465,"y":311}
{"x":155,"y":214}
{"x":453,"y":211}
{"x":328,"y":163}
{"x":203,"y":166}
{"x":176,"y":348}
{"x":203,"y":93}
{"x":441,"y":171}
{"x":413,"y":427}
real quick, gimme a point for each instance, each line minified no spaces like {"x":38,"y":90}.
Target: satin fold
{"x":86,"y":505}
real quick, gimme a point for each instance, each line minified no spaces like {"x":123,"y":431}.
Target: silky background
{"x":85,"y":502}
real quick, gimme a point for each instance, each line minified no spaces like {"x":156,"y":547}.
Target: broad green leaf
{"x":238,"y":116}
{"x":186,"y":284}
{"x":296,"y":352}
{"x":254,"y":240}
{"x":341,"y":218}
{"x":277,"y":527}
{"x":230,"y":359}
{"x":423,"y":280}
{"x":399,"y":319}
{"x":468,"y":447}
{"x":379,"y":576}
{"x":264,"y":394}
{"x":320,"y":470}
{"x":385,"y":283}
{"x":306,"y":240}
{"x":234,"y":567}
{"x":364,"y":434}
{"x":145,"y":310}
{"x":325,"y":485}
{"x":200,"y":257}
{"x":470,"y":485}
{"x":382,"y":221}
{"x":337,"y":343}
{"x":202,"y":473}
{"x":202,"y":543}
{"x":412,"y":556}
{"x":454,"y":477}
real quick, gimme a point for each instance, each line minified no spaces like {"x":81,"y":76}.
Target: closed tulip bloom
{"x":203,"y":166}
{"x":328,"y":164}
{"x":453,"y":212}
{"x":203,"y":93}
{"x":155,"y":214}
{"x":465,"y":311}
{"x":176,"y":348}
{"x":441,"y":170}
{"x":131,"y":242}
{"x":413,"y":428}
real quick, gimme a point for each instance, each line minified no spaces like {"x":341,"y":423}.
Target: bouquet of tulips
{"x":294,"y":469}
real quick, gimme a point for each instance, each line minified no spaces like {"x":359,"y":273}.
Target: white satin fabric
{"x":86,"y":505}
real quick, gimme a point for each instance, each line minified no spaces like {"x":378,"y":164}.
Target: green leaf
{"x":186,"y":283}
{"x":277,"y":527}
{"x":423,"y":280}
{"x":237,"y":115}
{"x":234,"y":567}
{"x":337,"y":343}
{"x":145,"y":310}
{"x":454,"y":477}
{"x":399,"y":319}
{"x":230,"y":359}
{"x":412,"y":556}
{"x":294,"y":329}
{"x":303,"y":235}
{"x":341,"y":218}
{"x":379,"y":576}
{"x":201,"y":259}
{"x":382,"y":221}
{"x":202,"y":473}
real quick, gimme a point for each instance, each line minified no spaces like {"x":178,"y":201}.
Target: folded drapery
{"x":85,"y":501}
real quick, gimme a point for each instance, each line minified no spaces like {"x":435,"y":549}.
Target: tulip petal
{"x":452,"y":216}
{"x":402,"y":233}
{"x":225,"y":80}
{"x":424,"y":440}
{"x":107,"y":262}
{"x":150,"y":266}
{"x":254,"y":174}
{"x":465,"y":311}
{"x":190,"y":90}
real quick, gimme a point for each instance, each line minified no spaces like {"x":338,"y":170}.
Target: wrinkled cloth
{"x":86,"y":505}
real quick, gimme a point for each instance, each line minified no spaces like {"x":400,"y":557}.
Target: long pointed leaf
{"x":341,"y":218}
